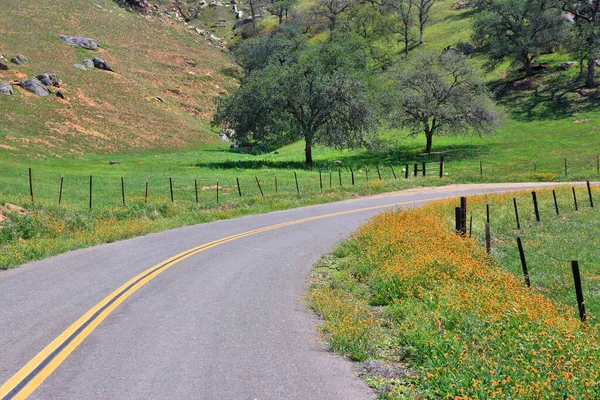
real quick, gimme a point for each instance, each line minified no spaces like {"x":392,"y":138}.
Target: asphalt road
{"x":226,"y":322}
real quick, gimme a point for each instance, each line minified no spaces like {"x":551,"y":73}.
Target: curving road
{"x":212,"y":311}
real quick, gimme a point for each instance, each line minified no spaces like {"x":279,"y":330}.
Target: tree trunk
{"x":308,"y":153}
{"x":590,"y":78}
{"x":528,"y":69}
{"x":429,"y":136}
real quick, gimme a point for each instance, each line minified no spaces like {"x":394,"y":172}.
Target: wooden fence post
{"x":259,"y":188}
{"x":578,"y":290}
{"x":297,"y":187}
{"x":535,"y":206}
{"x":146,"y":192}
{"x":276,"y":187}
{"x":320,"y":180}
{"x":590,"y":194}
{"x":516,"y":213}
{"x":441,"y":166}
{"x":123,"y":189}
{"x":62,"y":177}
{"x":523,"y":262}
{"x":406,"y":172}
{"x":90,"y":192}
{"x":352,"y":174}
{"x":171,"y":189}
{"x":424,"y":168}
{"x":31,"y":184}
{"x":488,"y":239}
{"x":238,"y":186}
{"x":555,"y":202}
{"x":217,"y":192}
{"x":575,"y":199}
{"x":196,"y":190}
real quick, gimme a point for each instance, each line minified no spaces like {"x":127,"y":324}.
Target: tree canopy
{"x":441,"y":94}
{"x":295,"y":90}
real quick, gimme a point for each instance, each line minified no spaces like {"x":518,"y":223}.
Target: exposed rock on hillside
{"x":86,"y":43}
{"x":19,"y":59}
{"x":48,"y":79}
{"x":34,"y":86}
{"x":6,"y":88}
{"x":101,"y":64}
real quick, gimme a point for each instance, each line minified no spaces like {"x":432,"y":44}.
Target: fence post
{"x":123,"y":189}
{"x":31,"y":184}
{"x":555,"y":202}
{"x":352,"y":174}
{"x":297,"y":187}
{"x":598,"y":164}
{"x":259,"y":188}
{"x":516,"y":213}
{"x":90,"y":192}
{"x":366,"y":174}
{"x":320,"y":180}
{"x":62,"y":177}
{"x":146,"y":192}
{"x":239,"y":187}
{"x":340,"y":176}
{"x":535,"y":206}
{"x":565,"y":167}
{"x":575,"y":199}
{"x":441,"y":166}
{"x":487,"y":213}
{"x":590,"y":194}
{"x":196,"y":189}
{"x":523,"y":262}
{"x":171,"y":189}
{"x":406,"y":172}
{"x":578,"y":290}
{"x":378,"y":172}
{"x":457,"y":220}
{"x":217,"y":192}
{"x":424,"y":168}
{"x":330,"y":179}
{"x":415,"y":169}
{"x":471,"y":225}
{"x":480,"y":168}
{"x":276,"y":187}
{"x":488,"y":239}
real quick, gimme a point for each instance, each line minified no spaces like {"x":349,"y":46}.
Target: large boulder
{"x":6,"y":88}
{"x":101,"y":64}
{"x":19,"y":59}
{"x":88,"y":63}
{"x":86,"y":43}
{"x":34,"y":86}
{"x":48,"y":79}
{"x":3,"y":67}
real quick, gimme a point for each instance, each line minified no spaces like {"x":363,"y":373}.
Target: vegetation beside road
{"x":453,"y":321}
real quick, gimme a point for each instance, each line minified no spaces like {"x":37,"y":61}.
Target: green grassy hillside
{"x":104,"y":111}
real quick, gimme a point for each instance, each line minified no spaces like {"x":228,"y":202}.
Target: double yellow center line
{"x":32,"y":374}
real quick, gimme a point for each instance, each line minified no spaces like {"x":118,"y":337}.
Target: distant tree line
{"x":335,"y":71}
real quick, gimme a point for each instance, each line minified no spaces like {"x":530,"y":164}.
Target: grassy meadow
{"x":447,"y":320}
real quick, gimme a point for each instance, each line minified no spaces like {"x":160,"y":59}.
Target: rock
{"x":337,"y":163}
{"x":86,"y":43}
{"x":191,"y":73}
{"x":6,"y":88}
{"x":242,"y":22}
{"x":3,"y":67}
{"x":566,"y":65}
{"x":239,"y":15}
{"x":190,"y":62}
{"x":60,"y":95}
{"x":159,"y":99}
{"x":101,"y":64}
{"x":114,"y":162}
{"x":80,"y":66}
{"x":219,"y":4}
{"x":19,"y":59}
{"x":88,"y":63}
{"x":233,"y":1}
{"x":212,"y":3}
{"x":48,"y":79}
{"x":234,"y":9}
{"x":34,"y":86}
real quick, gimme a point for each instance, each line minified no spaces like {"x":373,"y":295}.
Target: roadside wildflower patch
{"x":445,"y":309}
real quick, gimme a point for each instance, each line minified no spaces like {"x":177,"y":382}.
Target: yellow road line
{"x":32,"y":374}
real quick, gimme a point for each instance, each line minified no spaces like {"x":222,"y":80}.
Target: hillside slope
{"x":159,"y":97}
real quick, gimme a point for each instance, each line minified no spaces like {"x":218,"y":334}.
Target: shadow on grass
{"x":551,"y":94}
{"x":397,"y":156}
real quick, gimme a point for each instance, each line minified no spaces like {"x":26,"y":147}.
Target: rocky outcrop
{"x":48,"y":79}
{"x":34,"y":86}
{"x":19,"y":59}
{"x":101,"y":64}
{"x":6,"y":88}
{"x":86,"y":43}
